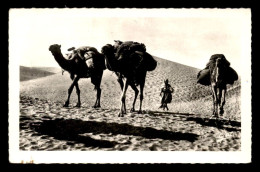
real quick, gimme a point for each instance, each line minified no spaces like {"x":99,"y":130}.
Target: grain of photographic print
{"x":129,"y":85}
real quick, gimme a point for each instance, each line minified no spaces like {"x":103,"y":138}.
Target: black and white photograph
{"x":129,"y":85}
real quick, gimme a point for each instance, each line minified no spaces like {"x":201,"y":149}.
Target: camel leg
{"x":97,"y":103}
{"x":141,"y":93}
{"x":219,"y":95}
{"x":213,"y":100}
{"x":70,"y":90}
{"x":222,"y":101}
{"x":123,"y":96}
{"x":214,"y":93}
{"x":96,"y":80}
{"x":136,"y":94}
{"x":78,"y":93}
{"x":120,"y":81}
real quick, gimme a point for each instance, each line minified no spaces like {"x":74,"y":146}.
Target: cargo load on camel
{"x":203,"y":77}
{"x":133,"y":54}
{"x":86,"y":53}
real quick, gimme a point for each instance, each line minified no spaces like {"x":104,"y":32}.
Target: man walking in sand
{"x":166,"y":94}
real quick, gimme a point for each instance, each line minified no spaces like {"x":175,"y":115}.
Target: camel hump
{"x":150,"y":62}
{"x":85,"y":49}
{"x":87,"y":52}
{"x":214,"y":57}
{"x":129,"y":47}
{"x":94,"y":60}
{"x":72,"y":48}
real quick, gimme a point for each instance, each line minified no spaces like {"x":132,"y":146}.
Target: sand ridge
{"x":46,"y":125}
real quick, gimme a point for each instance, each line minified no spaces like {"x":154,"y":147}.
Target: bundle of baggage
{"x":133,"y":54}
{"x":88,"y":54}
{"x":203,"y":77}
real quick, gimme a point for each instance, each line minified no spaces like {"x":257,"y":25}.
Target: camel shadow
{"x":228,"y":125}
{"x":70,"y":130}
{"x":63,"y":130}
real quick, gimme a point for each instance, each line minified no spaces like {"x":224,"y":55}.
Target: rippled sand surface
{"x":46,"y":125}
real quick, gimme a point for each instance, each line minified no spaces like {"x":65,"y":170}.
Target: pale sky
{"x":185,"y":36}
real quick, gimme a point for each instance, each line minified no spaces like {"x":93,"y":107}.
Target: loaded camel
{"x":130,"y":62}
{"x":218,"y":74}
{"x":78,"y":68}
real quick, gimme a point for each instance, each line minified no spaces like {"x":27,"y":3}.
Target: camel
{"x":220,"y":73}
{"x":131,"y":69}
{"x":78,"y":68}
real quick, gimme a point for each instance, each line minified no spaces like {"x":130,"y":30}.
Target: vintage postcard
{"x":129,"y":85}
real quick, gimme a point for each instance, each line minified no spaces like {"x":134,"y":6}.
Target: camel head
{"x":108,"y":49}
{"x":221,"y":62}
{"x":108,"y":52}
{"x":117,"y":44}
{"x":55,"y":48}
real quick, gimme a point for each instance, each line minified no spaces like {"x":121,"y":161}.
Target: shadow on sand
{"x":218,"y":123}
{"x":69,"y":129}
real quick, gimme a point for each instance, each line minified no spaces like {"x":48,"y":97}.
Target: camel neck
{"x":110,"y":62}
{"x":64,"y":63}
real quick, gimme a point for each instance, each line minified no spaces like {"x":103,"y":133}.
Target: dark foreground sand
{"x":46,"y":125}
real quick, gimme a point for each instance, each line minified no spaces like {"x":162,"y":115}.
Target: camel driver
{"x":166,"y":94}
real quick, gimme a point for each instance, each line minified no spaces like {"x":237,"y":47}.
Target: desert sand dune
{"x":28,"y":73}
{"x":46,"y":125}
